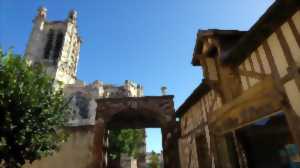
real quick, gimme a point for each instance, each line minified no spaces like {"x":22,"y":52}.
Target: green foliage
{"x":32,"y":112}
{"x":154,"y":160}
{"x":127,"y":141}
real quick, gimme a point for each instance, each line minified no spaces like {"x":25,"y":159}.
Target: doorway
{"x":266,"y":143}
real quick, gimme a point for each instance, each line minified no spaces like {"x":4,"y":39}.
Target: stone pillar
{"x":170,"y":138}
{"x":98,"y":153}
{"x":35,"y":43}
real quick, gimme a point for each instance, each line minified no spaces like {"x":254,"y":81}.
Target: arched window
{"x":58,"y":46}
{"x":49,"y":44}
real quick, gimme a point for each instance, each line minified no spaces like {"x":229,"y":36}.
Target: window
{"x":58,"y":46}
{"x":202,"y":151}
{"x":49,"y":44}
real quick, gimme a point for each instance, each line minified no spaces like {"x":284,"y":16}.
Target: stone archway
{"x":138,"y":112}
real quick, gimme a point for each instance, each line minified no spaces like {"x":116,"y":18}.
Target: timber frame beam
{"x":258,"y":102}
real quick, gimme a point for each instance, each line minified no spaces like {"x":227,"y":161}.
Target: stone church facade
{"x":245,"y":113}
{"x":56,"y":45}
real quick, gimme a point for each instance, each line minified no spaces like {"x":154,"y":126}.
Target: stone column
{"x":170,"y":147}
{"x":98,"y":153}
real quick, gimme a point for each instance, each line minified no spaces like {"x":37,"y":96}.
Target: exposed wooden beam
{"x":257,"y":102}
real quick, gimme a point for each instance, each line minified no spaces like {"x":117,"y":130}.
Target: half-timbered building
{"x":246,"y":111}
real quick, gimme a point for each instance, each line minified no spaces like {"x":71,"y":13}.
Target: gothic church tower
{"x":55,"y":44}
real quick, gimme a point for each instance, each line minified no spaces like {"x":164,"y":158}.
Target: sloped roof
{"x":276,"y":15}
{"x":233,"y":35}
{"x":199,"y":92}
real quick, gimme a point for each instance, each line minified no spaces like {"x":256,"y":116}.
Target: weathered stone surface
{"x":77,"y":152}
{"x":141,"y":112}
{"x":56,"y":45}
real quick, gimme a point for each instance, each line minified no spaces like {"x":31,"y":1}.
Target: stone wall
{"x":128,"y":162}
{"x":77,"y":152}
{"x":55,"y":45}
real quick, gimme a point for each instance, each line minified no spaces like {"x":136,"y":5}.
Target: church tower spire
{"x":55,"y":45}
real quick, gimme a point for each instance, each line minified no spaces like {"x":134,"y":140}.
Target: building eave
{"x":196,"y":95}
{"x":217,"y":33}
{"x":275,"y":16}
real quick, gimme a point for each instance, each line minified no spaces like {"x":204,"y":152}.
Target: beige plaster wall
{"x":77,"y":152}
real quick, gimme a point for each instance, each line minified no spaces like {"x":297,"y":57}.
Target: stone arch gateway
{"x":137,"y":112}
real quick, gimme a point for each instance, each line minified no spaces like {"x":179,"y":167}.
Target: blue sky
{"x":148,"y":41}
